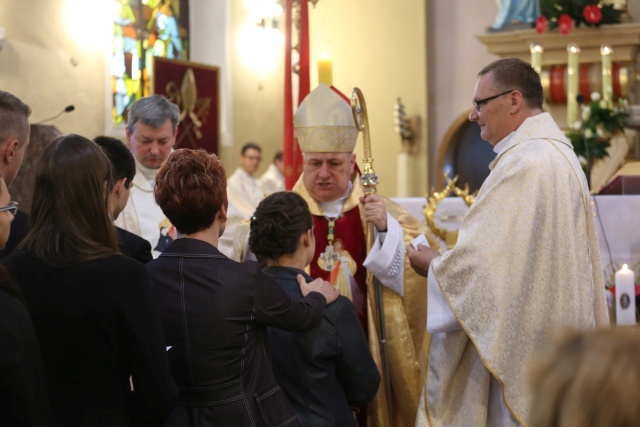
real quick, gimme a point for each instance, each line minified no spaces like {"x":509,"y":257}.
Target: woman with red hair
{"x":215,"y":311}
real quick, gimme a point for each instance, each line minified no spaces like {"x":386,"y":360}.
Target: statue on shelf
{"x":515,"y":14}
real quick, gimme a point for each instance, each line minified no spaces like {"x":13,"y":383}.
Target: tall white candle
{"x":402,"y":186}
{"x":625,"y":296}
{"x":573,"y":75}
{"x":536,"y":56}
{"x":607,"y":85}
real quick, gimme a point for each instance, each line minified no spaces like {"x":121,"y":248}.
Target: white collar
{"x":500,"y":146}
{"x":148,"y":173}
{"x":334,"y":208}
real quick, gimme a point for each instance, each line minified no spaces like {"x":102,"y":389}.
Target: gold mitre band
{"x":325,"y":139}
{"x":324,"y":122}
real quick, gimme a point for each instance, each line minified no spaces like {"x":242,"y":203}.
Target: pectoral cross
{"x":329,"y":257}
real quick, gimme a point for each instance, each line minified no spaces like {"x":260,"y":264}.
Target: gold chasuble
{"x":526,"y":265}
{"x":405,"y":317}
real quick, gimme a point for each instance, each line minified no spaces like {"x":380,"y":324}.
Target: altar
{"x":617,"y":221}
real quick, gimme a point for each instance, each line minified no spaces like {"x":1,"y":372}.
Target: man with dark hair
{"x":152,"y":127}
{"x":14,"y":139}
{"x":243,"y":191}
{"x":124,"y":170}
{"x":243,"y":196}
{"x":272,"y":180}
{"x":525,"y":265}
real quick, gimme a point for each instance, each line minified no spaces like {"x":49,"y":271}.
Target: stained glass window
{"x":143,"y":29}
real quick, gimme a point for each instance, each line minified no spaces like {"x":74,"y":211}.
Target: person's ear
{"x":127,"y":137}
{"x":307,"y":238}
{"x":516,"y":101}
{"x":352,"y":163}
{"x":222,"y":214}
{"x":119,"y":187}
{"x":175,"y":136}
{"x":10,"y":148}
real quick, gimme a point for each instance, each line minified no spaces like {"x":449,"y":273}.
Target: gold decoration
{"x":369,"y":178}
{"x":449,"y":237}
{"x":408,"y":128}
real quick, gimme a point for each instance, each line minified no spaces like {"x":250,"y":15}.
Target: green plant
{"x":592,"y":134}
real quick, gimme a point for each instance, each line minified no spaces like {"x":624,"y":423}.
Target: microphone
{"x":67,"y":109}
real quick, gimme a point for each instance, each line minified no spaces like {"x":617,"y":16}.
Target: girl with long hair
{"x":99,"y":331}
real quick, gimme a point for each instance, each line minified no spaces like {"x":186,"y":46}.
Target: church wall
{"x":53,"y":56}
{"x":257,"y":63}
{"x":455,"y":57}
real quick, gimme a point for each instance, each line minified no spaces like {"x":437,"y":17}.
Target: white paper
{"x":169,"y":347}
{"x":420,"y":240}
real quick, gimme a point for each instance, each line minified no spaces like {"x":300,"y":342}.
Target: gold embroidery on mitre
{"x":327,"y":139}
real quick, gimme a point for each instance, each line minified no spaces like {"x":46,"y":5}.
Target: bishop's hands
{"x":420,"y":259}
{"x":318,"y":285}
{"x":375,"y":211}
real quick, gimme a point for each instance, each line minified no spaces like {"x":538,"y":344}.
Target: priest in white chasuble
{"x":526,"y":264}
{"x":330,"y":184}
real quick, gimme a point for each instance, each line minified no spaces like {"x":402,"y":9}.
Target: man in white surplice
{"x":152,"y":128}
{"x":273,"y":179}
{"x":243,"y":191}
{"x":526,"y":264}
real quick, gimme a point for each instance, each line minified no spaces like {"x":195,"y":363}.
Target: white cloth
{"x":386,"y":258}
{"x":142,"y":216}
{"x":440,"y":319}
{"x":272,"y":180}
{"x":236,"y":223}
{"x":243,"y":192}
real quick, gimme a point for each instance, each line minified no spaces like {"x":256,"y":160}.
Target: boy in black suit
{"x":124,"y":169}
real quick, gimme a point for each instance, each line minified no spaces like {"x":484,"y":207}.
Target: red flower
{"x":565,"y":23}
{"x":592,"y":14}
{"x":541,"y":24}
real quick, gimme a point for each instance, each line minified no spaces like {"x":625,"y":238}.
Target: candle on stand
{"x":607,"y":86}
{"x":536,"y":56}
{"x":625,"y":296}
{"x":325,"y":70}
{"x":573,"y":75}
{"x":402,"y":186}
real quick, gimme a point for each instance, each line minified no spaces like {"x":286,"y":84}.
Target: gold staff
{"x":369,"y":181}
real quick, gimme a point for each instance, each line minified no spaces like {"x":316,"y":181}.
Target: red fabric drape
{"x":304,"y":74}
{"x":289,"y":143}
{"x":292,"y":154}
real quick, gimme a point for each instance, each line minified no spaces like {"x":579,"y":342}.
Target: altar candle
{"x":402,"y":185}
{"x":573,"y":74}
{"x":536,"y":56}
{"x":625,"y":296}
{"x":325,"y":70}
{"x":607,"y":86}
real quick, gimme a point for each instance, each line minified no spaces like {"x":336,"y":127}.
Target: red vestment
{"x":349,"y":229}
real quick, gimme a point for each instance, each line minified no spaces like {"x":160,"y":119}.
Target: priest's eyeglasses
{"x":478,"y":104}
{"x":11,"y":207}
